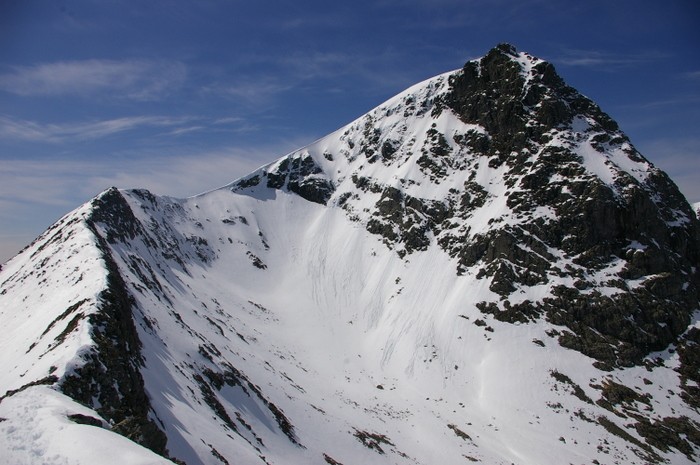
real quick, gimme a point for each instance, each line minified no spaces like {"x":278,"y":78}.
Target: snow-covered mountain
{"x":481,"y":269}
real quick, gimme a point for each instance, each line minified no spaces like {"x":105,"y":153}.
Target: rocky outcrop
{"x":298,"y":174}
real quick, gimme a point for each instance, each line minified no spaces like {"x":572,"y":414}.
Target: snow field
{"x":40,"y":340}
{"x":35,"y":429}
{"x":334,"y":316}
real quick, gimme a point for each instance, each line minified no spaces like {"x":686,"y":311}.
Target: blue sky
{"x":184,"y":96}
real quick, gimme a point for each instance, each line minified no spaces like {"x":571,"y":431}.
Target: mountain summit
{"x":481,"y":269}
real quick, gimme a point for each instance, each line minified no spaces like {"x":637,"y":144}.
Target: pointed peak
{"x":504,"y":48}
{"x":508,"y":54}
{"x":505,"y":54}
{"x":109,"y":191}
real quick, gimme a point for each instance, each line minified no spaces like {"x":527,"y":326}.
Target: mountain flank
{"x":481,"y":269}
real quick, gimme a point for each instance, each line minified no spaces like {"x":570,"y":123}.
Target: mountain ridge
{"x":617,"y":199}
{"x":487,"y":224}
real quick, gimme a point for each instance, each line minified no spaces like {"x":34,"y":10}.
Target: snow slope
{"x":328,"y":308}
{"x":43,"y":426}
{"x":56,"y":284}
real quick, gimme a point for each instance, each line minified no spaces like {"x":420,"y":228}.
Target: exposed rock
{"x":109,"y":381}
{"x":299,"y":174}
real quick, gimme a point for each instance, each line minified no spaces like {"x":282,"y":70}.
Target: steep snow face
{"x":480,"y":269}
{"x":48,"y":293}
{"x":307,"y":340}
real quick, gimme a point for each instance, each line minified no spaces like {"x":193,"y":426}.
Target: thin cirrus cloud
{"x":595,"y":58}
{"x":252,"y":92}
{"x":49,"y":188}
{"x":67,"y":182}
{"x":18,"y":129}
{"x":309,"y":70}
{"x":132,"y":79}
{"x":288,"y":72}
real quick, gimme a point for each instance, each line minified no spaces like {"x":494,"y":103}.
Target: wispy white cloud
{"x":597,"y":58}
{"x":34,"y":192}
{"x":383,"y":71}
{"x":252,"y":91}
{"x":43,"y":182}
{"x":63,"y":182}
{"x":179,"y":176}
{"x":305,"y":70}
{"x":12,"y":128}
{"x":377,"y":69}
{"x":185,"y":130}
{"x":131,"y":79}
{"x":229,"y":120}
{"x":685,"y":100}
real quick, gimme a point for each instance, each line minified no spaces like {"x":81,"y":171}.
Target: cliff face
{"x":482,"y":268}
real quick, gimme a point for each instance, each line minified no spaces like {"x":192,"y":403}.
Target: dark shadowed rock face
{"x":298,"y":174}
{"x":493,"y":92}
{"x":110,"y":380}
